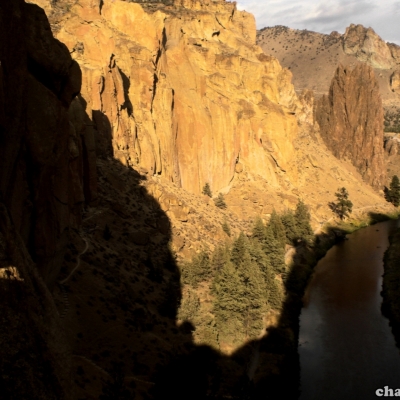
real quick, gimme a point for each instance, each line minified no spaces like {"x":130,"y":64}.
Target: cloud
{"x":327,"y":15}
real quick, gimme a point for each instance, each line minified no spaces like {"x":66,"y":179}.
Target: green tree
{"x":272,"y":293}
{"x":254,"y":296}
{"x":190,"y":306}
{"x":275,"y":252}
{"x":259,"y":230}
{"x":198,"y":270}
{"x":239,"y":249}
{"x":302,"y":217}
{"x":226,"y":228}
{"x":393,"y":193}
{"x":343,"y":206}
{"x":289,"y":222}
{"x":220,"y":257}
{"x":277,"y":228}
{"x":220,"y":201}
{"x":228,"y":305}
{"x":207,"y":190}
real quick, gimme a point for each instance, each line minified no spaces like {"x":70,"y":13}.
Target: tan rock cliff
{"x":351,"y":121}
{"x":182,"y":90}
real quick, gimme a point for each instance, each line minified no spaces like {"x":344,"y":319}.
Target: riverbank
{"x":301,"y":267}
{"x":391,"y":285}
{"x":341,"y":322}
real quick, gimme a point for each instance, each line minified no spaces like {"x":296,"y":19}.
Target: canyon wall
{"x":44,"y":144}
{"x":45,"y":166}
{"x":351,"y":121}
{"x":181,"y":90}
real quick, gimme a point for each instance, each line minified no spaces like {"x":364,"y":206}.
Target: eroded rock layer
{"x":351,"y":121}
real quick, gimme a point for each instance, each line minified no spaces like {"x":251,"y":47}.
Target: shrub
{"x":220,"y":201}
{"x":207,"y":190}
{"x":226,"y":228}
{"x":393,"y":193}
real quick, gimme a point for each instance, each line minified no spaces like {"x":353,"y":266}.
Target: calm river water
{"x":347,"y":349}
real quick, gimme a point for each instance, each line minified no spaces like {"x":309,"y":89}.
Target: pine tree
{"x":393,"y":194}
{"x":277,"y":228}
{"x":228,"y":304}
{"x":207,"y":190}
{"x":273,"y":294}
{"x":302,"y":218}
{"x":220,"y":201}
{"x":239,"y":249}
{"x":198,"y":270}
{"x":275,"y":252}
{"x":289,"y":222}
{"x":343,"y":207}
{"x":220,"y":256}
{"x":226,"y":228}
{"x":259,"y":230}
{"x":254,"y":296}
{"x":189,"y":306}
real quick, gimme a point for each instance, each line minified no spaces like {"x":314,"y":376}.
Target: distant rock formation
{"x":367,"y":46}
{"x":351,"y":121}
{"x":313,"y":57}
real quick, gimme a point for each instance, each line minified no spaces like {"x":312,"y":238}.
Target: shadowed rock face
{"x":41,"y":151}
{"x":351,"y":121}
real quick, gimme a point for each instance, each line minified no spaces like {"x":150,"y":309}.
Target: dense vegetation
{"x":392,"y":122}
{"x":393,"y":193}
{"x":241,"y":282}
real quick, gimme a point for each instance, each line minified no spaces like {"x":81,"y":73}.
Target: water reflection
{"x":347,"y":350}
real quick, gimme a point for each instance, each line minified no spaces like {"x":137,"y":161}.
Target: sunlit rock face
{"x":351,"y":121}
{"x":367,"y":46}
{"x":182,"y":89}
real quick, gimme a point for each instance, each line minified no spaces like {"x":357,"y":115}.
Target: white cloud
{"x":328,"y":15}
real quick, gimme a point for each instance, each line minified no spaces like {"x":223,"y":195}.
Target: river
{"x":347,"y":350}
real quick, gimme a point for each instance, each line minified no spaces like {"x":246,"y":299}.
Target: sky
{"x":325,"y":16}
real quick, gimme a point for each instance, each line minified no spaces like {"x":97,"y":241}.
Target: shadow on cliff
{"x":179,"y":368}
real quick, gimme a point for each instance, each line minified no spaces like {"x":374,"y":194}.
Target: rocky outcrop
{"x":395,"y":81}
{"x":367,"y":46}
{"x":46,"y":175}
{"x":351,"y":121}
{"x":182,"y":90}
{"x":42,"y":152}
